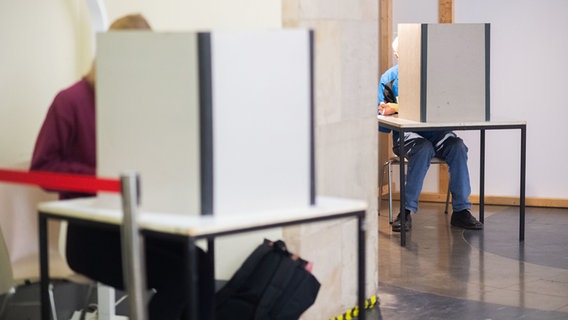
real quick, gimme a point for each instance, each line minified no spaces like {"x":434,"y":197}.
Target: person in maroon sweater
{"x":66,"y":143}
{"x":67,"y":140}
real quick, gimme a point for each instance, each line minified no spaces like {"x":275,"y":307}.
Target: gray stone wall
{"x":346,"y":69}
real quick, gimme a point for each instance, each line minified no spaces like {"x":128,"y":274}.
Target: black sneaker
{"x":407,"y":222}
{"x":464,"y":219}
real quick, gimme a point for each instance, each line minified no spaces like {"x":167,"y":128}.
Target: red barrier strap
{"x":61,"y":181}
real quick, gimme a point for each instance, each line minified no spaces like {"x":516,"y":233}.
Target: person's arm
{"x":387,"y":95}
{"x":387,"y":109}
{"x":381,"y":95}
{"x":53,"y":144}
{"x":381,"y":103}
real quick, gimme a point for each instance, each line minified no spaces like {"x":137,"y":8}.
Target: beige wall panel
{"x":147,"y":115}
{"x":409,"y":44}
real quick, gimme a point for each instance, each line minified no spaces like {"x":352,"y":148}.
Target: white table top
{"x":108,"y":210}
{"x":397,"y":122}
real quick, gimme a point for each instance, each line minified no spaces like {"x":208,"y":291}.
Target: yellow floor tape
{"x":354,"y":312}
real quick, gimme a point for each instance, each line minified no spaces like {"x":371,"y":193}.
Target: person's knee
{"x":455,"y":145}
{"x":422,"y":148}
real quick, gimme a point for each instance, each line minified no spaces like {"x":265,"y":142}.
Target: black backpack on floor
{"x":271,"y":284}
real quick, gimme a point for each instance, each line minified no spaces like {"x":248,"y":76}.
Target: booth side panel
{"x":147,"y":115}
{"x":262,"y":120}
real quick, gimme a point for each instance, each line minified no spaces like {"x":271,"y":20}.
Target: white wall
{"x":528,"y":81}
{"x":40,"y":55}
{"x":414,"y":11}
{"x":201,"y":14}
{"x":528,"y":76}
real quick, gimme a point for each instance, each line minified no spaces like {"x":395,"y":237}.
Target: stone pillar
{"x":346,"y":79}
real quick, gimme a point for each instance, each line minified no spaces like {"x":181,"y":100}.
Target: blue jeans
{"x":420,"y":148}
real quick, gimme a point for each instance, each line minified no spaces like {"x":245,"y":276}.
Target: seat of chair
{"x":396,"y":160}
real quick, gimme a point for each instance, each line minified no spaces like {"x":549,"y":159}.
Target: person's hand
{"x":386,"y":109}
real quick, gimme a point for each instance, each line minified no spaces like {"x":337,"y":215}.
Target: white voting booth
{"x":444,"y":72}
{"x":215,"y":123}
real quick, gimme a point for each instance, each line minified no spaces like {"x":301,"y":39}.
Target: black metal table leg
{"x":44,"y":267}
{"x":523,"y":183}
{"x":211,"y":259}
{"x":402,"y":188}
{"x":361,"y":264}
{"x":482,"y":177}
{"x":192,"y":275}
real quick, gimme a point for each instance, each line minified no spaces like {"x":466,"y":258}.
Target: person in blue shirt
{"x":420,"y":148}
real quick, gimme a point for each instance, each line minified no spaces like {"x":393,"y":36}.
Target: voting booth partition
{"x":444,"y":72}
{"x":216,"y":123}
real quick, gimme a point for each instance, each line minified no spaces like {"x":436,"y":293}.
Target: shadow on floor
{"x":546,"y":237}
{"x":403,"y":304}
{"x":447,"y":273}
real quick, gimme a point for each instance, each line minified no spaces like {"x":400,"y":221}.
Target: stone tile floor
{"x":448,"y":273}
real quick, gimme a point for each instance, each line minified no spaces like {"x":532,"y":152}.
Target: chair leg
{"x":6,"y":299}
{"x":390,"y":191}
{"x":447,"y":199}
{"x":106,"y":301}
{"x":381,"y":177}
{"x":52,"y":302}
{"x":12,"y":292}
{"x":3,"y":306}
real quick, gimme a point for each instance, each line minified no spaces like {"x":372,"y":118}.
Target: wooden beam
{"x":445,"y":11}
{"x":385,"y":35}
{"x":385,"y":62}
